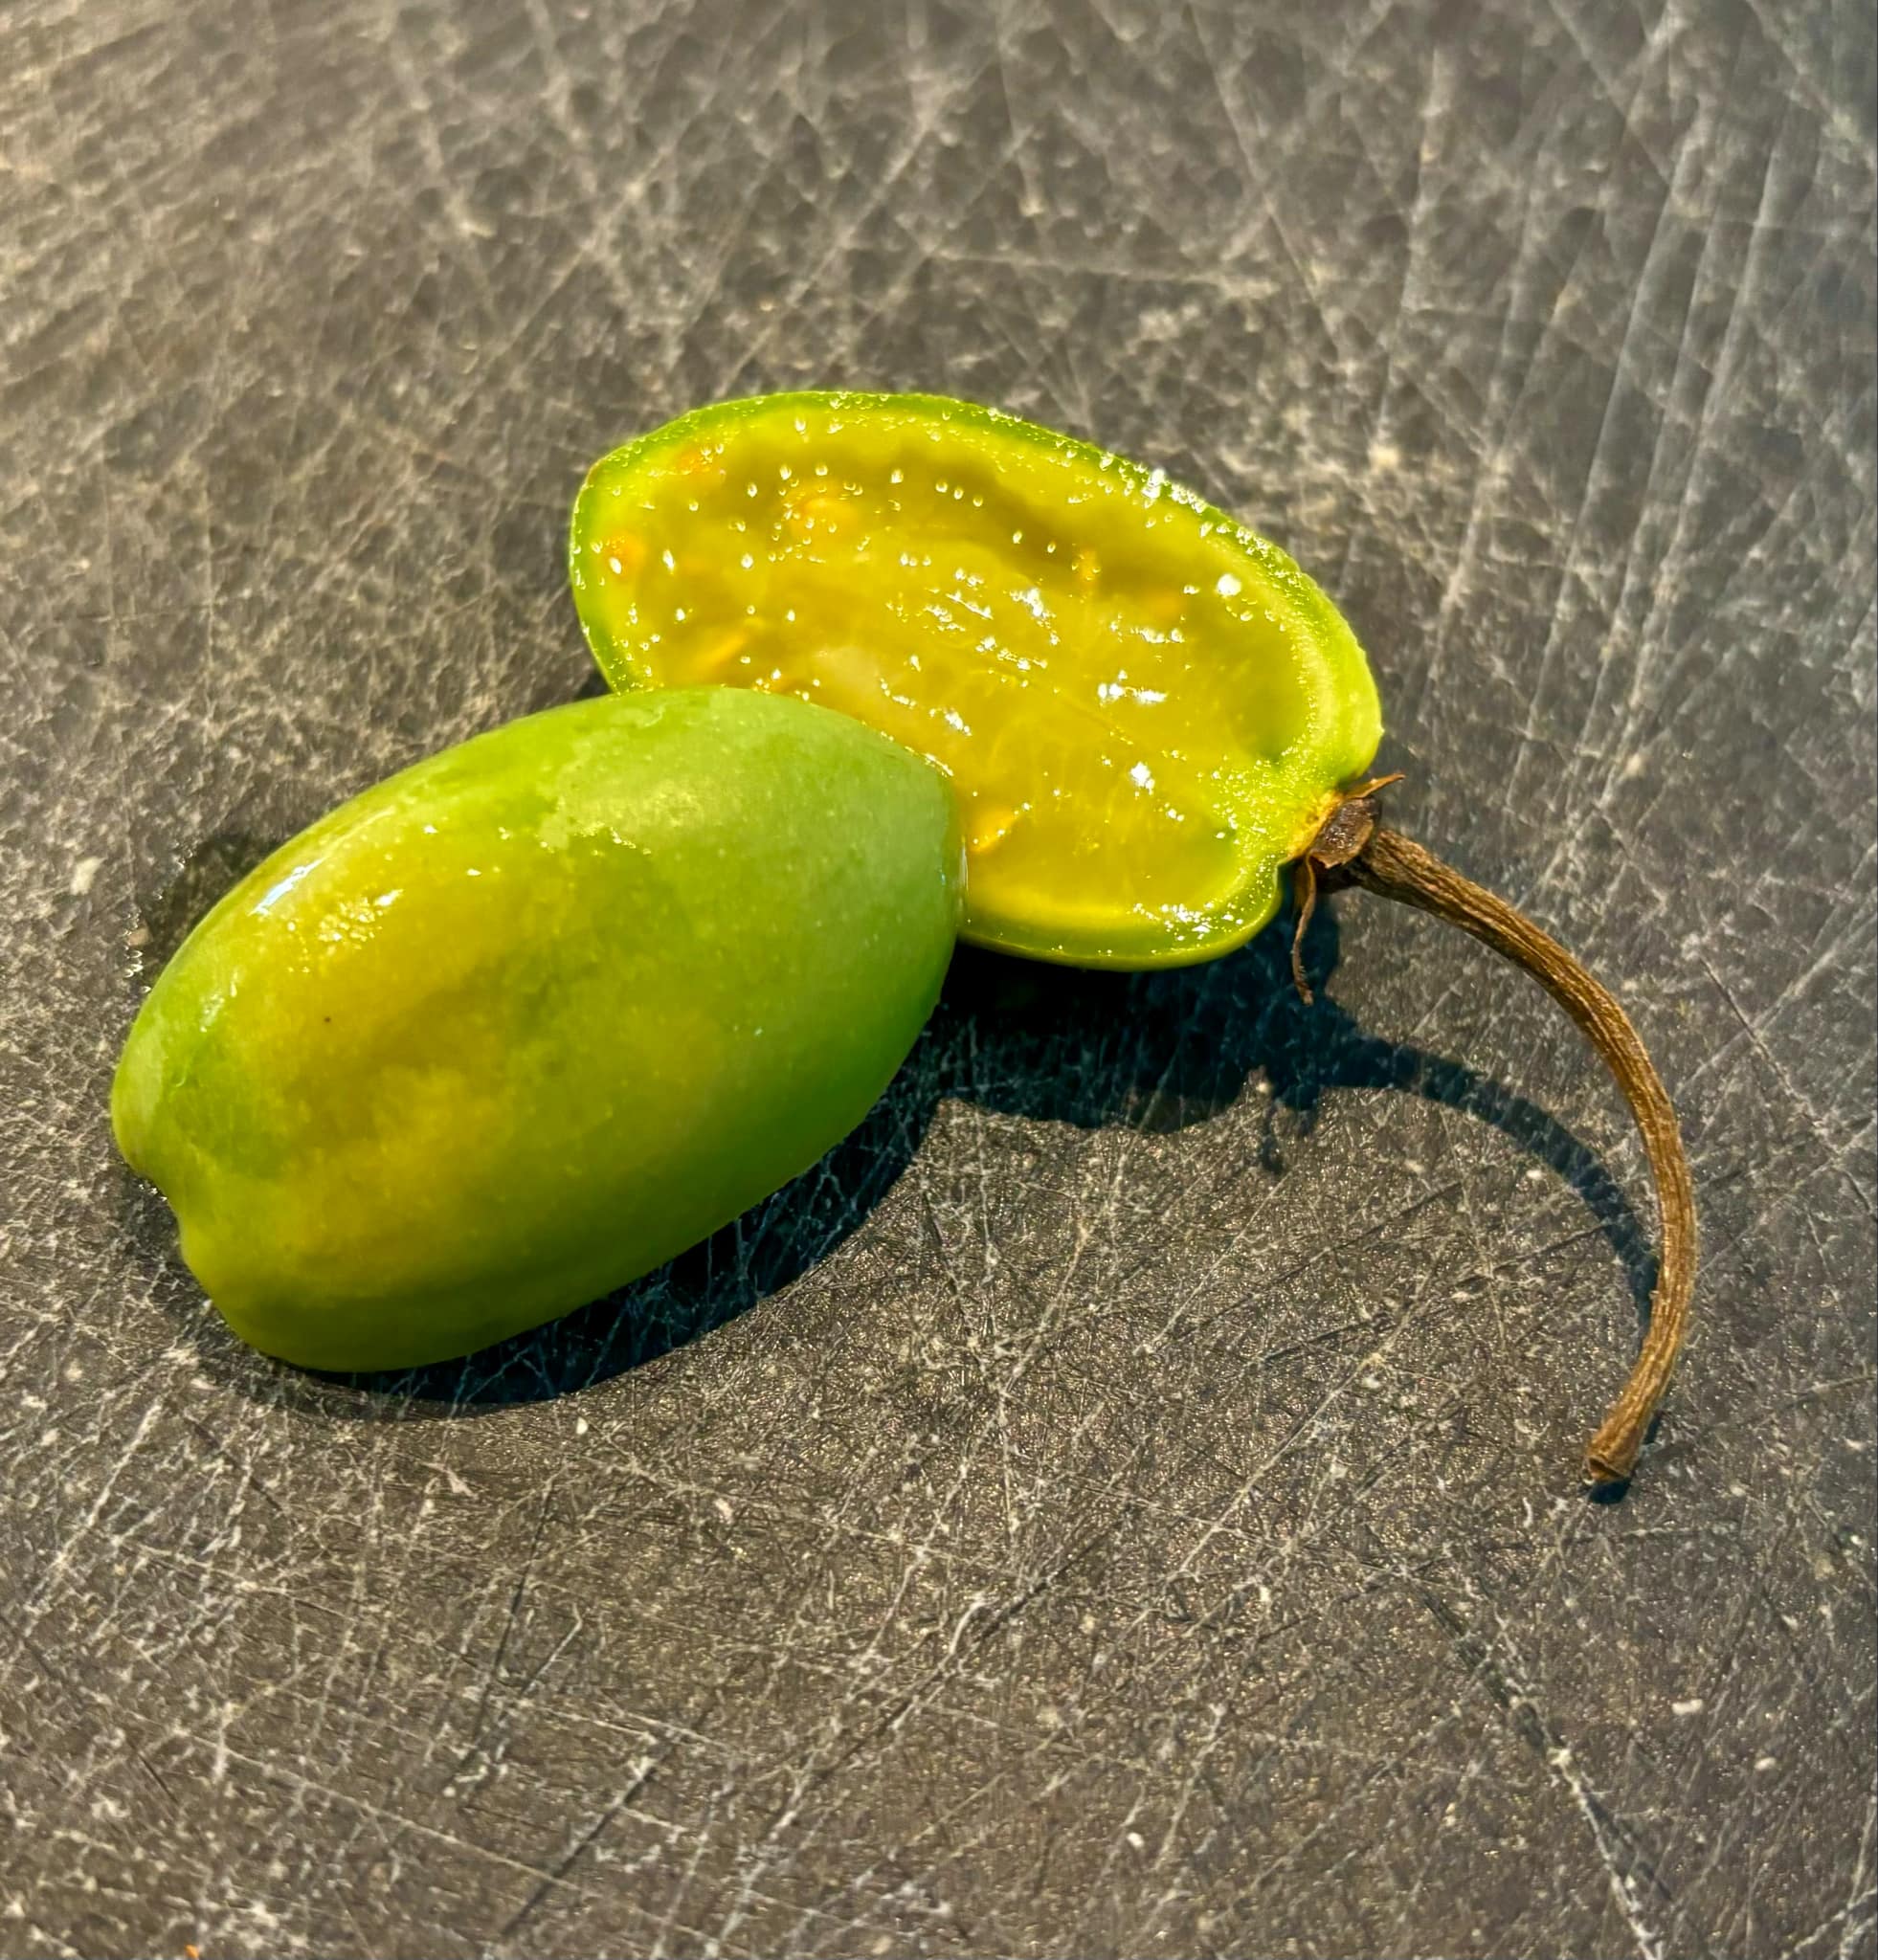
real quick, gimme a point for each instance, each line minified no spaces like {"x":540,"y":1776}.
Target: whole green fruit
{"x":526,"y":1020}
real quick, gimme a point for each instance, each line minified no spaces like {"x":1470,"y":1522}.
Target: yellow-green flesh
{"x":1145,"y":709}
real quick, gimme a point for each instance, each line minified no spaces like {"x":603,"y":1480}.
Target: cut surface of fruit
{"x":1145,"y":709}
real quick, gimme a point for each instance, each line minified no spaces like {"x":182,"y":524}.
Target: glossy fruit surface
{"x":1146,"y":709}
{"x":529,"y":1018}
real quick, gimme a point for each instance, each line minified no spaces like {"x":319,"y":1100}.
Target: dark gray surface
{"x":1126,"y":1504}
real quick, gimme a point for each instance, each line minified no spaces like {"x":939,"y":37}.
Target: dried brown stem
{"x":1394,"y":866}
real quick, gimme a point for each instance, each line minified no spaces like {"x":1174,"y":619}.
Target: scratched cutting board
{"x":1124,"y":1502}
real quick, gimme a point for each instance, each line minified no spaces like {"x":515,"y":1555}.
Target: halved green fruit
{"x":1145,"y":709}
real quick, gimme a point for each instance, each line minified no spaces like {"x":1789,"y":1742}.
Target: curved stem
{"x":1398,"y":868}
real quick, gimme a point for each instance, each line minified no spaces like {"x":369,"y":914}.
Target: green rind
{"x":1339,"y":753}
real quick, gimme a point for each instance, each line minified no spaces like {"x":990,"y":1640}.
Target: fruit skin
{"x":1275,"y":801}
{"x":525,"y":1020}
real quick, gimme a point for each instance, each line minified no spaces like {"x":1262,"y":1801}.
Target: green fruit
{"x":1146,"y":709}
{"x":526,"y":1020}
